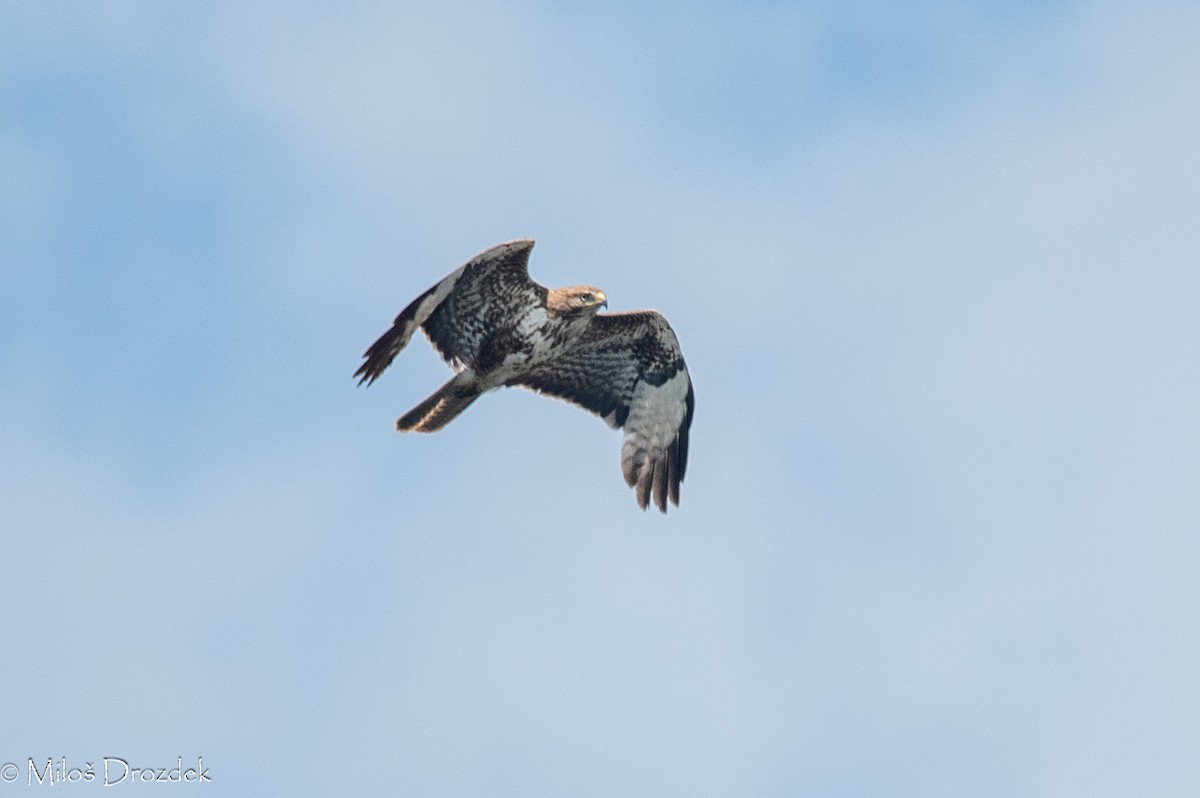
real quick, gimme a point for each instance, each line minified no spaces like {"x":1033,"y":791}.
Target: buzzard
{"x":497,"y":328}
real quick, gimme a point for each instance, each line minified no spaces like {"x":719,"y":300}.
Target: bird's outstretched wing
{"x":460,"y":313}
{"x":629,"y":370}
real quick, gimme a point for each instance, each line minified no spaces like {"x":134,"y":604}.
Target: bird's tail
{"x":443,"y":407}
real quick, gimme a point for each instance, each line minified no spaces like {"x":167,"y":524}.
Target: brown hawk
{"x":497,"y":328}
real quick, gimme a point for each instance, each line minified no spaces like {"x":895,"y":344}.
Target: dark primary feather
{"x":459,"y":313}
{"x":489,"y":294}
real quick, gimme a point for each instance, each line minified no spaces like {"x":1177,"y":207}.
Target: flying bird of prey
{"x":497,"y":328}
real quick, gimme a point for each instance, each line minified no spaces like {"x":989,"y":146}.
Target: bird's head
{"x":576,"y":299}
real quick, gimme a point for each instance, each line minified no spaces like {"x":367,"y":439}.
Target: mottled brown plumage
{"x":498,"y":328}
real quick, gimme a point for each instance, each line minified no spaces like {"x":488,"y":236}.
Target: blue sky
{"x":934,"y":271}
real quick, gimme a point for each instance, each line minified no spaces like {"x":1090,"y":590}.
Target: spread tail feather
{"x":443,"y":407}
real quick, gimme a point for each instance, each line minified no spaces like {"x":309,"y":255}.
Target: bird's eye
{"x":586,"y":297}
